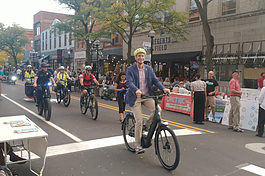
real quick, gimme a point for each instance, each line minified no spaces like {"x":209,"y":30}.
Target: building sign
{"x":80,"y":55}
{"x":147,"y":48}
{"x":160,"y":44}
{"x":59,"y":55}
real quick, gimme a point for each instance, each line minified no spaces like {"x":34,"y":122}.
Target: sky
{"x":21,"y":11}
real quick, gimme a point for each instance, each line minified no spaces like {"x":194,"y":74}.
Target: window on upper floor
{"x":45,"y":44}
{"x":70,"y":41}
{"x":50,"y":43}
{"x":82,"y":43}
{"x":54,"y":43}
{"x":194,"y":12}
{"x":228,"y":7}
{"x":60,"y":41}
{"x":65,"y":39}
{"x":31,"y":43}
{"x":37,"y":29}
{"x":46,"y":33}
{"x":37,"y":45}
{"x":42,"y":45}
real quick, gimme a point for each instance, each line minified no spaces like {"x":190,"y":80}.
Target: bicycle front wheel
{"x":128,"y":133}
{"x":167,"y":148}
{"x":40,"y":108}
{"x":93,"y":107}
{"x":67,"y":99}
{"x":83,"y":107}
{"x":47,"y":109}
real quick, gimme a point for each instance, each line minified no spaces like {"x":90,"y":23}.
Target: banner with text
{"x":147,"y":47}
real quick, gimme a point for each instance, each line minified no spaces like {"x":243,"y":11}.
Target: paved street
{"x":78,"y":145}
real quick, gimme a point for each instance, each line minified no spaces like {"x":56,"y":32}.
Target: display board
{"x":219,"y":110}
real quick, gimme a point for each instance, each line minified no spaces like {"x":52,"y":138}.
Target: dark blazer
{"x":132,"y":81}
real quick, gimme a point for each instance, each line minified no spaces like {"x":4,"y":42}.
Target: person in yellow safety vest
{"x":29,"y":75}
{"x":61,"y":78}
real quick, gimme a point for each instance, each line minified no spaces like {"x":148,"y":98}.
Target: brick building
{"x":41,"y":22}
{"x":238,"y":30}
{"x":29,"y":46}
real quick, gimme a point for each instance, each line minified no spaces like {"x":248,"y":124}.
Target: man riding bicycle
{"x":61,"y":78}
{"x":86,"y":80}
{"x":29,"y":74}
{"x":140,"y":78}
{"x":42,"y":78}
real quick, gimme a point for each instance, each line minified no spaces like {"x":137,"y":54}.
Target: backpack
{"x":87,"y":81}
{"x":5,"y":171}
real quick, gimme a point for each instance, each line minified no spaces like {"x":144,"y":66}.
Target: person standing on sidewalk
{"x":212,"y":89}
{"x":198,"y":95}
{"x":235,"y":95}
{"x":1,"y":77}
{"x":260,"y":80}
{"x":261,"y":120}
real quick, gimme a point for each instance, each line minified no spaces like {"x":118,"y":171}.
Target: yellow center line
{"x":172,"y":123}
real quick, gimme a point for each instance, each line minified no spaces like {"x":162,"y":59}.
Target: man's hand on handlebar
{"x":34,"y":85}
{"x":165,"y":90}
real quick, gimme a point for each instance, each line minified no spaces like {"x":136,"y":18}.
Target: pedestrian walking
{"x":235,"y":95}
{"x":261,"y":120}
{"x":212,"y":89}
{"x":1,"y":77}
{"x":120,"y":86}
{"x":198,"y":95}
{"x":260,"y":80}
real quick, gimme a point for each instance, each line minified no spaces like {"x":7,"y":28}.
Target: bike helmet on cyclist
{"x":139,"y":50}
{"x":88,"y":67}
{"x":61,"y":68}
{"x":44,"y":65}
{"x":29,"y":66}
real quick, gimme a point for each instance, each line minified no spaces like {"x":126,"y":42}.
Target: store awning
{"x":44,"y":58}
{"x":113,"y":51}
{"x":175,"y":57}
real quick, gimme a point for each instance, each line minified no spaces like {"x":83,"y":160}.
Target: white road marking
{"x":254,"y":169}
{"x":256,"y":147}
{"x":28,"y":99}
{"x":48,"y":122}
{"x":94,"y":144}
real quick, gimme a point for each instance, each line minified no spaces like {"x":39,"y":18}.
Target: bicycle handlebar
{"x":154,"y":96}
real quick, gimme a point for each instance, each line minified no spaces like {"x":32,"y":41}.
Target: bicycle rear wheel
{"x":167,"y":148}
{"x":47,"y":109}
{"x":67,"y":99}
{"x":128,"y":133}
{"x":93,"y":107}
{"x":83,"y":107}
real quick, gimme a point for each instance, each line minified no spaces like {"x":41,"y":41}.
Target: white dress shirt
{"x":261,"y":99}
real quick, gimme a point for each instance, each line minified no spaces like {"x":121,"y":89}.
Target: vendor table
{"x":34,"y":141}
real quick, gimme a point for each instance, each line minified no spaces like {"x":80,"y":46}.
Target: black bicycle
{"x":166,"y":144}
{"x":64,"y":95}
{"x":45,"y":103}
{"x":89,"y":102}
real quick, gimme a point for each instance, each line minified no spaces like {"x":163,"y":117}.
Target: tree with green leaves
{"x":12,"y":39}
{"x":127,"y":16}
{"x":81,"y":24}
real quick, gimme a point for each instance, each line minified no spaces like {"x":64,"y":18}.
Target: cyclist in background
{"x":139,"y":79}
{"x":29,"y":74}
{"x":42,"y":78}
{"x":86,"y":80}
{"x":61,"y":78}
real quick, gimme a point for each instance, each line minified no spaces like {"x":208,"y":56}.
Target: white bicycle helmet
{"x":29,"y":66}
{"x":88,"y":67}
{"x":61,"y":68}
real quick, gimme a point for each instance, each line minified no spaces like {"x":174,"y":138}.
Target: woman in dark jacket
{"x":120,"y":84}
{"x":198,"y":89}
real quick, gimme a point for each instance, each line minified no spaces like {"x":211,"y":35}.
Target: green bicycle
{"x":89,"y":102}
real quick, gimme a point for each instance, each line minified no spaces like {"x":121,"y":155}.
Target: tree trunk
{"x":129,"y":51}
{"x":88,"y":56}
{"x":207,"y":33}
{"x":15,"y":60}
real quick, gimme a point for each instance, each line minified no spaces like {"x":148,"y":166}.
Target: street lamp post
{"x":152,"y":35}
{"x":97,"y":43}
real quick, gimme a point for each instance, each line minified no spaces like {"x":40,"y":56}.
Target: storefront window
{"x":224,"y":72}
{"x":194,"y":13}
{"x":228,"y":7}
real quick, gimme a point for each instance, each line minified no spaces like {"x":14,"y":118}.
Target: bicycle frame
{"x":88,"y":97}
